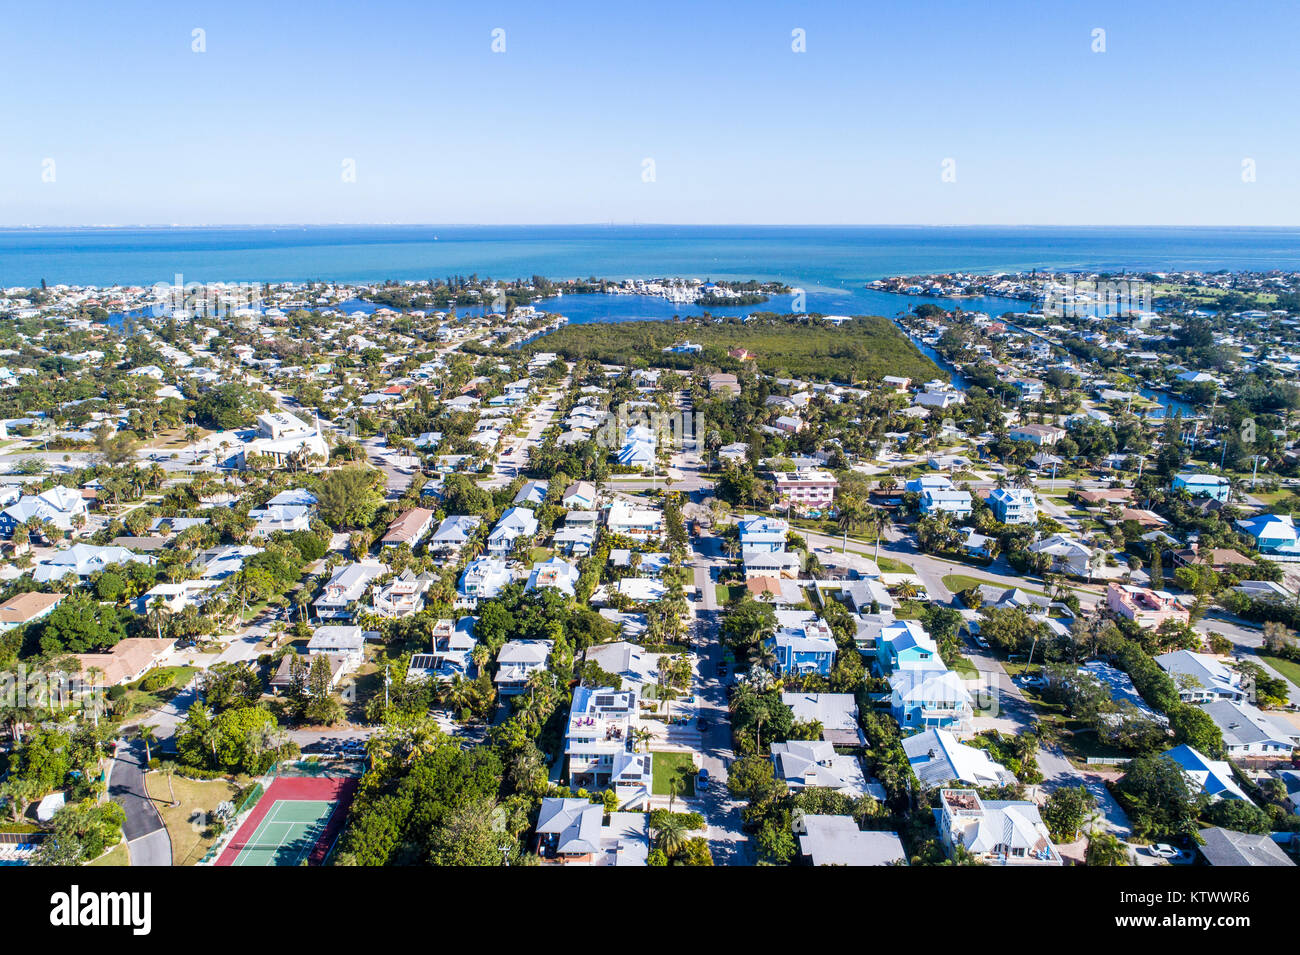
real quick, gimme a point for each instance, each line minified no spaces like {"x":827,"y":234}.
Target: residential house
{"x":580,"y":496}
{"x":453,"y":534}
{"x":996,"y":832}
{"x":837,"y":840}
{"x":345,"y":589}
{"x":1068,"y":555}
{"x":279,"y":517}
{"x":410,"y":527}
{"x":922,"y":699}
{"x":803,"y":763}
{"x":22,"y":609}
{"x":805,"y":489}
{"x":836,"y":712}
{"x":556,"y":574}
{"x":403,"y":595}
{"x":905,"y":645}
{"x":1275,"y":536}
{"x":83,"y":560}
{"x":804,"y":648}
{"x":938,"y":759}
{"x":516,"y":661}
{"x":343,"y":642}
{"x":1250,"y":732}
{"x":483,"y":579}
{"x":1201,"y":678}
{"x":1203,"y":485}
{"x":1147,"y":608}
{"x":1013,"y":505}
{"x":953,"y":501}
{"x":515,"y":524}
{"x":1039,"y":435}
{"x":601,"y":745}
{"x":63,"y":507}
{"x":639,"y":523}
{"x":1227,"y":847}
{"x":128,"y":660}
{"x":532,"y":493}
{"x":1213,"y":777}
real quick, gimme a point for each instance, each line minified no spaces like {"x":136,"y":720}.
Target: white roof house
{"x":939,"y":759}
{"x":1201,"y":677}
{"x":804,"y":763}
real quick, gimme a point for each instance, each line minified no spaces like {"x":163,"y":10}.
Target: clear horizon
{"x":1107,"y":114}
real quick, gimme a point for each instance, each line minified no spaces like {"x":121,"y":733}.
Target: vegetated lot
{"x":187,"y":823}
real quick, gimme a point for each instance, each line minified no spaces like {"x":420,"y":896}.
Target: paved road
{"x":147,"y":839}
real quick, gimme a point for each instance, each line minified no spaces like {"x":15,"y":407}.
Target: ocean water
{"x":830,"y":263}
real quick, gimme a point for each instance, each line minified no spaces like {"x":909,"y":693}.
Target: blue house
{"x":929,"y":699}
{"x":804,"y":649}
{"x":904,"y":645}
{"x":1203,"y":485}
{"x":1275,"y":536}
{"x":763,"y":535}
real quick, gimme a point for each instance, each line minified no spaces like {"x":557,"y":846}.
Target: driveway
{"x":1059,"y":771}
{"x":147,"y":839}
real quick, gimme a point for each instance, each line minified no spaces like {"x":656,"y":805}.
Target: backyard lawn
{"x":668,"y":765}
{"x":117,"y":855}
{"x":888,"y":565}
{"x":187,"y":822}
{"x":1287,"y":668}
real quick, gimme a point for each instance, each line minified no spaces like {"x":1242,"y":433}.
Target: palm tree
{"x":879,"y":524}
{"x":641,"y":735}
{"x":674,"y":787}
{"x":671,"y":833}
{"x":148,"y":736}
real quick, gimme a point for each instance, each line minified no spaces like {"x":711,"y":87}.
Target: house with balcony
{"x":953,"y":501}
{"x":639,"y":523}
{"x":1068,"y":555}
{"x":1274,"y":535}
{"x":1250,"y":732}
{"x":556,"y":574}
{"x":804,"y":648}
{"x":1039,"y":435}
{"x":938,"y":759}
{"x":345,"y":590}
{"x":482,"y":579}
{"x":805,"y":489}
{"x":279,"y":517}
{"x":1213,"y":486}
{"x":1013,"y":505}
{"x":517,"y":661}
{"x":601,"y":746}
{"x":82,"y":561}
{"x":346,"y":644}
{"x":1147,"y":608}
{"x":451,"y":654}
{"x":762,"y":535}
{"x":61,"y":506}
{"x":403,"y":595}
{"x":515,"y":524}
{"x":996,"y":831}
{"x":905,"y":645}
{"x":929,"y":699}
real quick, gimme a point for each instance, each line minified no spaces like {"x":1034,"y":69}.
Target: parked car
{"x":981,"y":642}
{"x":702,"y":779}
{"x":1163,"y":850}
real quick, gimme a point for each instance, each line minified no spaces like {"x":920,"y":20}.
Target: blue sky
{"x":740,"y":128}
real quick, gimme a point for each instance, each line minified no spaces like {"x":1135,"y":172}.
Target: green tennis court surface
{"x":288,"y":833}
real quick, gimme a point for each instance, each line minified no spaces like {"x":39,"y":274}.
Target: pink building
{"x":1147,"y":608}
{"x":804,"y":489}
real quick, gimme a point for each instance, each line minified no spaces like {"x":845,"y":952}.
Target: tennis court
{"x":287,"y":834}
{"x":296,"y":819}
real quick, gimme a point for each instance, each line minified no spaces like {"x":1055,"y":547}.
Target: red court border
{"x":304,"y":789}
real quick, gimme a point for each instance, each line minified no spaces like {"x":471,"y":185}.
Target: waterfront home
{"x":515,"y":524}
{"x":1147,"y":608}
{"x":938,"y":759}
{"x":837,"y":841}
{"x":1013,"y":505}
{"x":996,"y":832}
{"x":1201,"y":678}
{"x":1248,"y":731}
{"x":345,"y":589}
{"x":1203,"y":485}
{"x":803,"y":763}
{"x":516,"y":661}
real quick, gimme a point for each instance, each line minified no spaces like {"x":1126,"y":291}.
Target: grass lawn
{"x":1287,"y":668}
{"x":668,"y":765}
{"x":964,"y":668}
{"x":114,"y":856}
{"x":197,"y":798}
{"x":888,"y":565}
{"x":725,"y":594}
{"x":1082,"y":743}
{"x":959,"y":582}
{"x":539,"y":554}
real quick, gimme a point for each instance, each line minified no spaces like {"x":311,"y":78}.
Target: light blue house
{"x":905,"y":645}
{"x":1013,"y":505}
{"x":1203,"y":485}
{"x":763,"y":535}
{"x":929,"y":699}
{"x":1275,"y":536}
